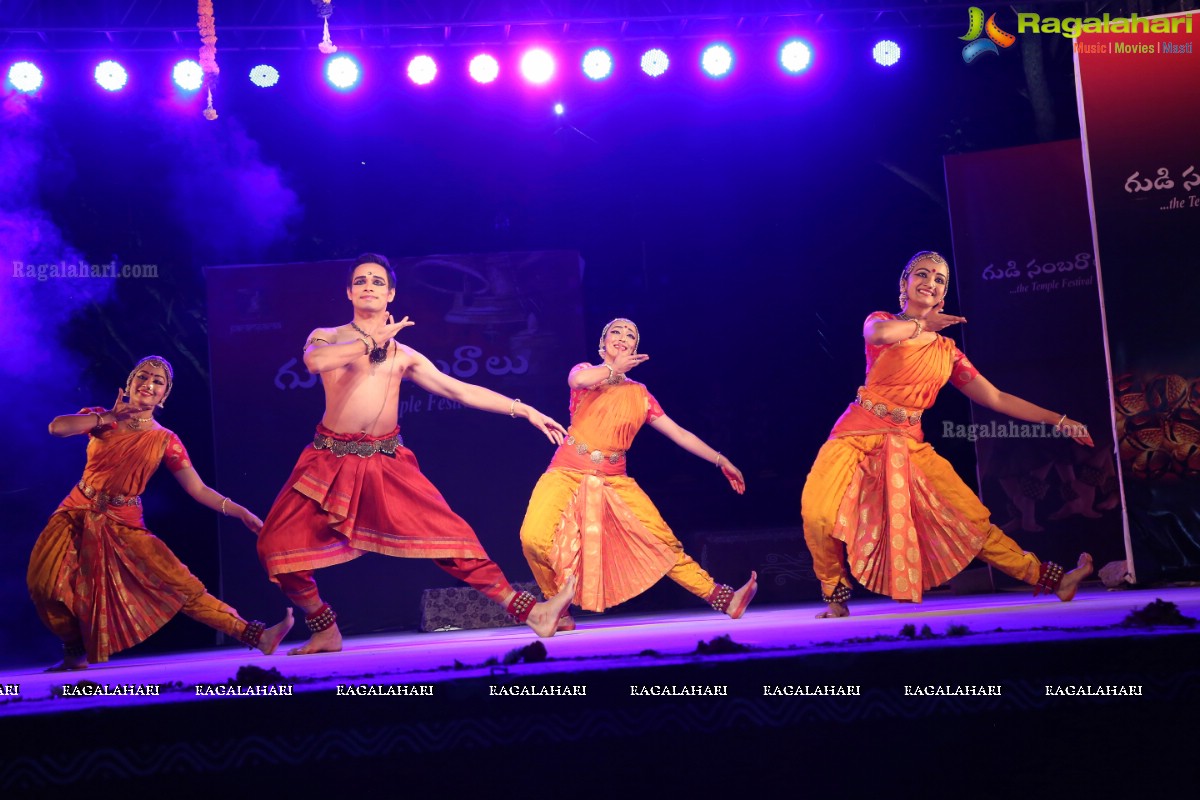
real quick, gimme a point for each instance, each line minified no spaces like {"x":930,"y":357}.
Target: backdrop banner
{"x":1138,"y":96}
{"x":1026,"y":282}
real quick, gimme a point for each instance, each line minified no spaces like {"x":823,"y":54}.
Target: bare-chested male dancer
{"x":357,"y":489}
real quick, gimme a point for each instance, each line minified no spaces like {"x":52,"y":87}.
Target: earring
{"x":902,"y":299}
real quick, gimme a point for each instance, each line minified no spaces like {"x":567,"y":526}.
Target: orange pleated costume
{"x":908,"y":522}
{"x":96,"y":574}
{"x":587,"y":518}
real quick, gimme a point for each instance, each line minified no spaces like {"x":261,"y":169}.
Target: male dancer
{"x":357,"y":489}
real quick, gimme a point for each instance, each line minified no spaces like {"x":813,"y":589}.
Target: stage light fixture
{"x":484,"y":68}
{"x":25,"y":77}
{"x":422,"y":70}
{"x":597,"y":63}
{"x":886,"y":53}
{"x":655,"y":62}
{"x":188,"y":75}
{"x":342,"y":72}
{"x":111,"y":76}
{"x":795,"y":56}
{"x":560,"y":109}
{"x":537,"y":66}
{"x":264,"y":76}
{"x":717,"y":60}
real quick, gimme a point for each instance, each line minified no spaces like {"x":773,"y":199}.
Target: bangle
{"x":512,"y":410}
{"x":1058,"y":425}
{"x":99,"y":420}
{"x":224,"y":500}
{"x":717,"y":463}
{"x":919,"y":330}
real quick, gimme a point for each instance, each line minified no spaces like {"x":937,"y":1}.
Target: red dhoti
{"x":334,"y":509}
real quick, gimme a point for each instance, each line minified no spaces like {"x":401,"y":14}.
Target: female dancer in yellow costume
{"x":589,"y":519}
{"x":908,"y":522}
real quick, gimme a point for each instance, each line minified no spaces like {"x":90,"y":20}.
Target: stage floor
{"x":612,"y":642}
{"x":974,"y":684}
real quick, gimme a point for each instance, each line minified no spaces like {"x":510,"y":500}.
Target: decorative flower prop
{"x":325,"y":11}
{"x":208,"y":51}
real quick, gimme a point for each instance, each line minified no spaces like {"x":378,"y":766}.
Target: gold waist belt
{"x":341,"y":447}
{"x":595,"y":455}
{"x":901,"y":416}
{"x":103,"y":499}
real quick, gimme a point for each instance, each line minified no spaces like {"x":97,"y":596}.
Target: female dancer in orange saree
{"x":100,"y":581}
{"x":589,"y":519}
{"x":908,"y":522}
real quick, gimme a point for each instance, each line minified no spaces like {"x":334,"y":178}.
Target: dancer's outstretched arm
{"x":981,"y":390}
{"x":696,"y":446}
{"x":425,"y":374}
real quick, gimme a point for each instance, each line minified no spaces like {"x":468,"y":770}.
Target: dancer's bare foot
{"x":327,"y":641}
{"x":566,"y":623}
{"x":835,"y":610}
{"x":1070,"y":582}
{"x":543,"y":618}
{"x":742,"y":597}
{"x":69,"y":664}
{"x":273,"y":635}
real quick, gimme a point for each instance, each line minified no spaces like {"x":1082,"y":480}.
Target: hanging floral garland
{"x":208,"y":52}
{"x":325,"y":11}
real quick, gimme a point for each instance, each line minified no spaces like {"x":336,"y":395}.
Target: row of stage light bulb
{"x":537,"y":66}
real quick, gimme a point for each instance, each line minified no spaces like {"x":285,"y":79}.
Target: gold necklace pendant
{"x":136,"y":422}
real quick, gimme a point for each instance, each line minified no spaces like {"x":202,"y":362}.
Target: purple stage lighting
{"x":655,"y":62}
{"x":111,"y":76}
{"x":342,"y":72}
{"x":537,"y":66}
{"x":484,"y":68}
{"x":717,"y":60}
{"x":264,"y":76}
{"x":188,"y":75}
{"x":25,"y":77}
{"x":795,"y":56}
{"x":597,"y":64}
{"x":886,"y":53}
{"x":422,"y":70}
